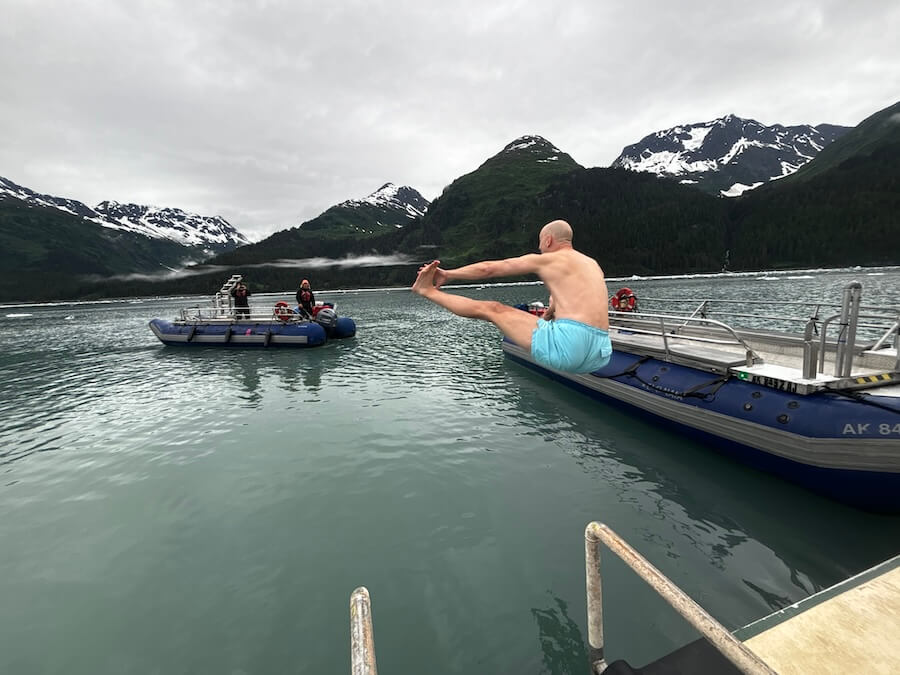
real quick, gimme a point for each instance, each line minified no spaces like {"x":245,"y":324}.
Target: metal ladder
{"x":362,"y":637}
{"x":223,"y":295}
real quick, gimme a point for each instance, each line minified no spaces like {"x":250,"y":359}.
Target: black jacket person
{"x":240,"y":295}
{"x":305,"y":298}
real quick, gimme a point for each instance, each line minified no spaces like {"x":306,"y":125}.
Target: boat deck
{"x":779,"y":358}
{"x":849,"y":628}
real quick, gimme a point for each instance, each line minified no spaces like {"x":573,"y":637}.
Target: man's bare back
{"x":577,"y":287}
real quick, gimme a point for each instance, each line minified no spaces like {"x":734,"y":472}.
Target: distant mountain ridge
{"x":340,"y":229}
{"x":878,"y":133}
{"x":399,"y":200}
{"x":842,"y":208}
{"x":207,"y":235}
{"x":728,"y":155}
{"x":390,"y":206}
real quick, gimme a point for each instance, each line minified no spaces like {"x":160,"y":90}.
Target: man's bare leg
{"x":513,"y":323}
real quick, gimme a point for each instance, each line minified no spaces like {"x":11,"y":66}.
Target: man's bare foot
{"x":425,"y":280}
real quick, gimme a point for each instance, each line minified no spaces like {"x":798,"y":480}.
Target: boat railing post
{"x":362,"y":637}
{"x":810,"y":351}
{"x":717,"y":635}
{"x":850,"y":301}
{"x":897,"y":342}
{"x":822,"y":340}
{"x":594,"y":590}
{"x":701,"y":310}
{"x":895,"y":329}
{"x":814,"y":318}
{"x":662,"y":330}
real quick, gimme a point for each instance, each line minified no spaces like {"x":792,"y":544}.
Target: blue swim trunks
{"x":571,"y":346}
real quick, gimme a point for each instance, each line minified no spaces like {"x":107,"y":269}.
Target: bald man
{"x":576,"y":340}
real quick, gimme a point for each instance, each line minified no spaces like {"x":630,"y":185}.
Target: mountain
{"x":843,"y":208}
{"x":483,"y":213}
{"x":729,"y":155}
{"x":211,"y":234}
{"x":201,"y":235}
{"x":388,"y":207}
{"x":348,"y":227}
{"x":48,"y":253}
{"x":877,"y":133}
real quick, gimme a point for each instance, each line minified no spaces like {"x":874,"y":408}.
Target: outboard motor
{"x":327,"y":318}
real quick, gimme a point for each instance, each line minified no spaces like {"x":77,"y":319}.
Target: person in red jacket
{"x":305,"y":298}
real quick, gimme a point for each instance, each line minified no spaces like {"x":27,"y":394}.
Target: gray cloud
{"x":269,"y":112}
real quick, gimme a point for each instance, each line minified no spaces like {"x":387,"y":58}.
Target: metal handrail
{"x":701,"y":309}
{"x":682,"y":336}
{"x":719,"y":636}
{"x":769,"y":303}
{"x":213,"y":316}
{"x":702,"y":321}
{"x":893,"y":330}
{"x":840,"y":342}
{"x":362,"y":636}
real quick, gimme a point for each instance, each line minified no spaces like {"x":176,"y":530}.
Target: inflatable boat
{"x":819,"y":407}
{"x":225,"y":325}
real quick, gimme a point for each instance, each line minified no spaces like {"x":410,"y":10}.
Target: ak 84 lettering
{"x":871,"y":429}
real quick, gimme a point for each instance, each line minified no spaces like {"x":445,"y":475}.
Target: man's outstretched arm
{"x":488,"y":269}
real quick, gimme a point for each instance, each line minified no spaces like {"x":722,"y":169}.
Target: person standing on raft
{"x":576,"y":340}
{"x":305,"y":298}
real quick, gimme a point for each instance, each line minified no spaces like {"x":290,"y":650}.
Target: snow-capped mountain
{"x":729,"y":155}
{"x":538,"y":147}
{"x":211,"y":234}
{"x":403,"y":199}
{"x":389,"y":207}
{"x":186,"y":228}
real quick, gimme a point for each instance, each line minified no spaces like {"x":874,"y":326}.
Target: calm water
{"x":171,"y":510}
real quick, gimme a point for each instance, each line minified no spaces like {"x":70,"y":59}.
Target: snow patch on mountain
{"x":738,"y":189}
{"x":209,"y":233}
{"x":189,"y":229}
{"x":536,"y":145}
{"x":729,"y":155}
{"x":395,"y":198}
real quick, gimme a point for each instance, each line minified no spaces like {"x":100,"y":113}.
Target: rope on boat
{"x":859,"y":397}
{"x":631,"y":371}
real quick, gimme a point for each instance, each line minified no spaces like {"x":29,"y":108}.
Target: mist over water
{"x":286,"y":263}
{"x":203,"y":510}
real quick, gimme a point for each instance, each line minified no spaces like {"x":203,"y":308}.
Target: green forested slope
{"x":48,"y":254}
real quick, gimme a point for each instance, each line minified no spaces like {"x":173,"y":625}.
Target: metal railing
{"x":362,"y":635}
{"x":665,"y":333}
{"x":708,"y":307}
{"x":719,"y":636}
{"x":217,"y":315}
{"x":885,"y":320}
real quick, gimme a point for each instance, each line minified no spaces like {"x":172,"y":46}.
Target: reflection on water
{"x":563,"y":646}
{"x":211,"y":510}
{"x":727,"y":513}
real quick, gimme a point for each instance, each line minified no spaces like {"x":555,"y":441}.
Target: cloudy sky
{"x":269,"y":112}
